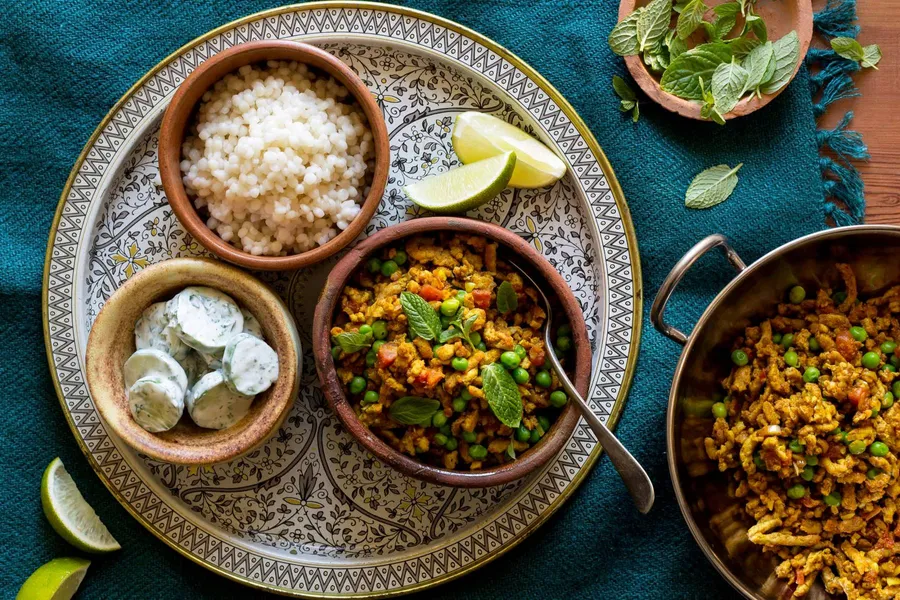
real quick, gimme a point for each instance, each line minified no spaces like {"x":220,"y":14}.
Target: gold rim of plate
{"x":614,"y":187}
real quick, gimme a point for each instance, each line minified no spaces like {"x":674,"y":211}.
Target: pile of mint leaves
{"x":733,"y":63}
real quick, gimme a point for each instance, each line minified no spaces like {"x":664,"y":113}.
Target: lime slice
{"x":57,"y":580}
{"x":477,"y":136}
{"x":463,"y":188}
{"x":70,"y":514}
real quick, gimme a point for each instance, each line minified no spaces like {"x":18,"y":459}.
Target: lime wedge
{"x":57,"y":580}
{"x":463,"y":188}
{"x":70,"y":514}
{"x":477,"y":136}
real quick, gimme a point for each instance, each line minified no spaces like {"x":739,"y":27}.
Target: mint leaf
{"x":636,"y":114}
{"x":727,"y":85}
{"x":423,"y":320}
{"x":871,"y":56}
{"x":712,"y":186}
{"x":787,"y":54}
{"x":848,"y":48}
{"x":502,"y":394}
{"x":412,"y":410}
{"x":675,"y":44}
{"x":622,"y":89}
{"x":352,"y":341}
{"x":726,"y":18}
{"x":507,"y":299}
{"x":623,"y":39}
{"x":653,"y":22}
{"x":657,"y":58}
{"x":511,"y":450}
{"x":690,"y":18}
{"x":682,"y":78}
{"x":760,"y":65}
{"x":742,"y":46}
{"x":755,"y":25}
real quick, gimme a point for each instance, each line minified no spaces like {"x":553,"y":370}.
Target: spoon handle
{"x":630,"y":470}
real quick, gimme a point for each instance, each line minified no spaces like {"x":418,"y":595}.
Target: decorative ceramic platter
{"x":310,"y":513}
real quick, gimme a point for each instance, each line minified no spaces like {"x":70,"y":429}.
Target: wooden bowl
{"x":111,"y":342}
{"x":781,"y":17}
{"x":180,"y":113}
{"x":529,"y":258}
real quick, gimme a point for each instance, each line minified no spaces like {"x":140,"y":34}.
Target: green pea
{"x":758,"y":461}
{"x":459,"y":405}
{"x":857,"y":447}
{"x":449,"y":307}
{"x":796,"y":446}
{"x":371,"y":357}
{"x":371,"y":397}
{"x":400,"y":257}
{"x":377,"y":345}
{"x":558,"y":399}
{"x":365,"y":329}
{"x":812,"y":460}
{"x":873,"y":473}
{"x":807,"y":473}
{"x":461,"y":296}
{"x":839,"y":297}
{"x":797,"y":294}
{"x":895,"y":388}
{"x":544,"y":422}
{"x":719,"y":410}
{"x":535,"y":436}
{"x":543,"y":378}
{"x":833,"y":499}
{"x":357,"y":385}
{"x":776,"y":337}
{"x":440,"y":439}
{"x":481,"y":346}
{"x":469,"y":437}
{"x":859,"y":334}
{"x":787,"y":340}
{"x":791,"y":358}
{"x":795,"y":492}
{"x":445,"y":429}
{"x":564,"y":343}
{"x":476,"y":338}
{"x":510,"y":360}
{"x":374,"y":265}
{"x":445,"y":321}
{"x":879,"y":449}
{"x":895,"y":360}
{"x":477,"y":451}
{"x":520,"y":351}
{"x":564,"y":330}
{"x":811,"y":375}
{"x":336,"y":352}
{"x":439,"y":419}
{"x":451,"y":444}
{"x":465,"y":395}
{"x":871,"y":360}
{"x":379,"y":330}
{"x":520,"y":375}
{"x":889,"y":368}
{"x":522,"y":434}
{"x":888,"y":400}
{"x":389,"y":267}
{"x":888,"y":347}
{"x":459,"y":363}
{"x":814,"y":345}
{"x":739,"y":357}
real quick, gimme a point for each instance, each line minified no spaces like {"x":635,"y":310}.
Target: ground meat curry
{"x":810,"y":431}
{"x":439,"y":346}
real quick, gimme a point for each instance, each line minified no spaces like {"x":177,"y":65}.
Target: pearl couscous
{"x":278,"y":157}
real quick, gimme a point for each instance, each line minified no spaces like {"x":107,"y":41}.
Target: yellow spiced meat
{"x":809,"y":431}
{"x":418,"y":331}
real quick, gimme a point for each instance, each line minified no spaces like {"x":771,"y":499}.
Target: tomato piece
{"x":537,"y":356}
{"x":431,"y":293}
{"x":387,"y":354}
{"x":429,"y":377}
{"x":858,"y":394}
{"x":481,"y":298}
{"x":846,"y":345}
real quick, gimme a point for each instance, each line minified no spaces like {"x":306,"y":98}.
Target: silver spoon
{"x":630,"y":470}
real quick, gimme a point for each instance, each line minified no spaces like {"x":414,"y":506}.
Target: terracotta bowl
{"x":781,"y":17}
{"x":180,"y":113}
{"x":529,"y":258}
{"x":111,"y":342}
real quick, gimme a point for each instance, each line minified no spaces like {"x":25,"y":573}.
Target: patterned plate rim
{"x":592,"y":145}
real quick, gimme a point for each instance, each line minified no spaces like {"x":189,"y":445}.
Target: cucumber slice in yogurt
{"x":251,"y":325}
{"x":152,"y":331}
{"x":156,"y":403}
{"x":194,"y":367}
{"x":249,"y":364}
{"x":151,"y":362}
{"x":212,"y":404}
{"x":204,"y":318}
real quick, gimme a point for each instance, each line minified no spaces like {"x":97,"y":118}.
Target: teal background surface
{"x":63,"y":66}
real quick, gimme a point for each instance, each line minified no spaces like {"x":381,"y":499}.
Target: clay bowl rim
{"x":560,"y":431}
{"x":690,"y":108}
{"x":181,"y":110}
{"x":109,"y":402}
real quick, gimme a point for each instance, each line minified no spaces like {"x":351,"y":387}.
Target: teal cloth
{"x":64,"y":64}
